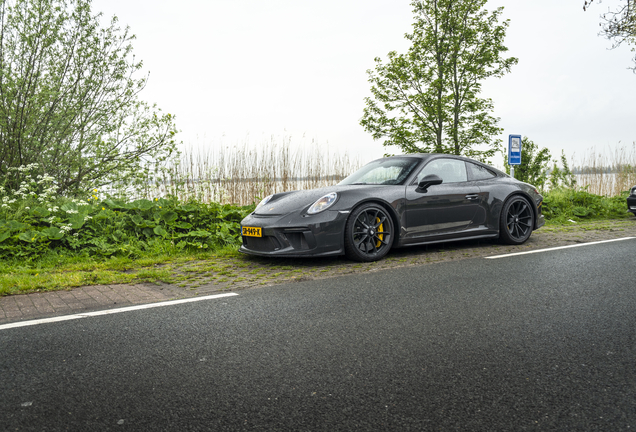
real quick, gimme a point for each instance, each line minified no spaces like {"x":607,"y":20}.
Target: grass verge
{"x":225,"y":268}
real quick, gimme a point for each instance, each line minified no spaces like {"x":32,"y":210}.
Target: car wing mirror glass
{"x":428,"y":181}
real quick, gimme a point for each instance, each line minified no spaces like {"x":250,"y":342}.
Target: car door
{"x":443,"y":210}
{"x":485,"y":220}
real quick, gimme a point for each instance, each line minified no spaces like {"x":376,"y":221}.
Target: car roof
{"x":427,"y":156}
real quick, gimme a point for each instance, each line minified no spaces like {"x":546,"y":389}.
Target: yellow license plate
{"x":252,"y":232}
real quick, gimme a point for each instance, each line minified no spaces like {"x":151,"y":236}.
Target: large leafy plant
{"x":32,"y":224}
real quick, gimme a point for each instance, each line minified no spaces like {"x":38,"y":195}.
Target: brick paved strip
{"x":24,"y":302}
{"x":66,"y":295}
{"x":94,"y":293}
{"x":56,"y":300}
{"x":41,"y":303}
{"x":114,"y":296}
{"x":80,"y":294}
{"x":8,"y":305}
{"x":84,"y":299}
{"x":12,"y":316}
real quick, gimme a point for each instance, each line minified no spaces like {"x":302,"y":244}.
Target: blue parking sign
{"x":514,"y":150}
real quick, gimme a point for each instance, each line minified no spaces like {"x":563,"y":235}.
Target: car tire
{"x":516,"y":221}
{"x":368,"y":233}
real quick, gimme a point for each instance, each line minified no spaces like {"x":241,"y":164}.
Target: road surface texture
{"x":543,"y":341}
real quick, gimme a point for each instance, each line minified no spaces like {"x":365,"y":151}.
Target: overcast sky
{"x":241,"y":71}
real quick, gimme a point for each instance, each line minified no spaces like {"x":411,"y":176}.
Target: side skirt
{"x":448,"y":240}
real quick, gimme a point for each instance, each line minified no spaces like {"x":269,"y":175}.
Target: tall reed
{"x":244,"y":174}
{"x":609,"y":172}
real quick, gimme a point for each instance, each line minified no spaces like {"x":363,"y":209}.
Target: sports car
{"x":393,"y":202}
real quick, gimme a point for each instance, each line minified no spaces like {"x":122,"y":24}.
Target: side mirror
{"x":428,"y":181}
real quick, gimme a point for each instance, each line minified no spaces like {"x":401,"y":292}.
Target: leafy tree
{"x":619,"y":25}
{"x":534,"y":164}
{"x":427,"y":100}
{"x":69,"y":101}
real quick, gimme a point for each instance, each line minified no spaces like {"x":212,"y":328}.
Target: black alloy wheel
{"x":368,"y":233}
{"x":517,"y":221}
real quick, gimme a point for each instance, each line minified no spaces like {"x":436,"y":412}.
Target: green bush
{"x":563,"y":204}
{"x":108,"y":227}
{"x":33,"y":225}
{"x":35,"y":222}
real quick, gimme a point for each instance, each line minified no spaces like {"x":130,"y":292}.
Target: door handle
{"x":472,"y":197}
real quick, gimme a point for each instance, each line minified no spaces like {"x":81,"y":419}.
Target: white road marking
{"x":558,"y":247}
{"x":112,"y":311}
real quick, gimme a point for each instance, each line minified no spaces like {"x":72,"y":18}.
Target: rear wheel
{"x":368,"y":233}
{"x":517,"y":221}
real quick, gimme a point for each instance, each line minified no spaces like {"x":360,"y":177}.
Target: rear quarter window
{"x":478,"y":172}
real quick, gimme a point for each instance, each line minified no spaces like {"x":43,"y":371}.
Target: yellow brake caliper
{"x":379,"y":231}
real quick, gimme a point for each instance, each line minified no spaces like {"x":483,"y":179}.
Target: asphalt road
{"x":545,"y":341}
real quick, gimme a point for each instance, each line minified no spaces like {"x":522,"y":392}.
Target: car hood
{"x":288,"y":202}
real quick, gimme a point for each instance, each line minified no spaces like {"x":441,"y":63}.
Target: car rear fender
{"x":535,"y":211}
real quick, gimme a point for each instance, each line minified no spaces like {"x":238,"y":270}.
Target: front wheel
{"x":516,"y":221}
{"x":368,"y":233}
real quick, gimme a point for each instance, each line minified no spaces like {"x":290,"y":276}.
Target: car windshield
{"x":390,"y":171}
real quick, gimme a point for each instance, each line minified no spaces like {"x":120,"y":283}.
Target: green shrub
{"x":563,"y":204}
{"x":107,"y":227}
{"x":34,"y":222}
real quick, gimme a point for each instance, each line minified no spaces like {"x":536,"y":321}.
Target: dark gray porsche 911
{"x":393,"y":202}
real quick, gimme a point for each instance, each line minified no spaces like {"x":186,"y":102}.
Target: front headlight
{"x":634,"y":191}
{"x":323,"y":203}
{"x":263,"y":201}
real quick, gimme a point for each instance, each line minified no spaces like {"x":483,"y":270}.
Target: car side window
{"x":478,"y":172}
{"x":450,"y":170}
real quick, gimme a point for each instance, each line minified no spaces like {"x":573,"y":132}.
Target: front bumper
{"x":296,"y":235}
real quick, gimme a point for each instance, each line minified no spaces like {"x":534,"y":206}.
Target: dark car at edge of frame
{"x":394,"y":202}
{"x":631,"y":201}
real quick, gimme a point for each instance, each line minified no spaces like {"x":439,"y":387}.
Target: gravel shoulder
{"x":205,"y":277}
{"x":262,"y":271}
